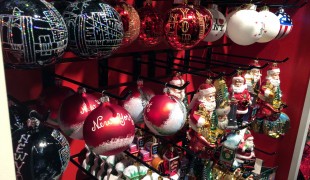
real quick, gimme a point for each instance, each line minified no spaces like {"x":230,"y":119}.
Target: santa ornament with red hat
{"x":203,"y":118}
{"x":180,"y":94}
{"x":253,"y":80}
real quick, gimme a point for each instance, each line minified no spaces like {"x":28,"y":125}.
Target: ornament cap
{"x":264,"y":8}
{"x":140,"y":83}
{"x":81,"y":90}
{"x":149,"y":172}
{"x":104,"y":99}
{"x":213,"y":6}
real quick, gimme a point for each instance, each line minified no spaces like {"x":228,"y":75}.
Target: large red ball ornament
{"x":130,"y":19}
{"x":137,"y":100}
{"x":73,"y":112}
{"x":151,"y":29}
{"x":109,"y":129}
{"x":164,"y":115}
{"x":184,"y":27}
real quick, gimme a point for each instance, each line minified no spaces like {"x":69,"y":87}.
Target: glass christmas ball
{"x":151,"y":30}
{"x":286,"y":24}
{"x":33,"y":33}
{"x":184,"y":27}
{"x":218,"y":27}
{"x":207,"y":18}
{"x":95,"y":29}
{"x":271,"y":26}
{"x":60,"y":5}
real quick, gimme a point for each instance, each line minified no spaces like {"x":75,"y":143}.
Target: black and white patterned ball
{"x":33,"y":33}
{"x":95,"y":29}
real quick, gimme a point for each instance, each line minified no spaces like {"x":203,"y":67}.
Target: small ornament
{"x":40,"y":152}
{"x":137,"y":100}
{"x":33,"y":33}
{"x":271,"y":25}
{"x":135,"y":172}
{"x":130,"y":19}
{"x":151,"y":28}
{"x":286,"y":23}
{"x":218,"y":27}
{"x":184,"y":27}
{"x":164,"y":115}
{"x":109,"y":129}
{"x":73,"y":112}
{"x":171,"y":161}
{"x":95,"y":29}
{"x":222,"y":102}
{"x":229,"y":149}
{"x":245,"y":27}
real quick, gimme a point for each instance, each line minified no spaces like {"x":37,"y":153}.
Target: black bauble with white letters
{"x":33,"y":33}
{"x":95,"y":28}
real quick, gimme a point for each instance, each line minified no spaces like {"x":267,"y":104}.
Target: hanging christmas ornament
{"x":286,"y":23}
{"x":74,"y":111}
{"x":33,"y":33}
{"x":206,"y":15}
{"x":184,"y":27}
{"x":164,"y":115}
{"x":271,"y":25}
{"x":51,"y":99}
{"x":219,"y":25}
{"x":40,"y":152}
{"x":232,"y":12}
{"x":245,"y":27}
{"x":151,"y":30}
{"x":95,"y":29}
{"x":130,"y":19}
{"x":137,"y":100}
{"x":109,"y":129}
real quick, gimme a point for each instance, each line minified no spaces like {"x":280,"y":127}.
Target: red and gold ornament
{"x":184,"y":27}
{"x":164,"y":115}
{"x":109,"y":129}
{"x":207,"y":16}
{"x":74,"y":111}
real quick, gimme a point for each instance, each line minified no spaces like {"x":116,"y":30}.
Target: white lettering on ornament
{"x":119,"y":119}
{"x":20,"y":155}
{"x":86,"y":109}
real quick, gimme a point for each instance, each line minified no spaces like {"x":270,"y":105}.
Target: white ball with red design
{"x":245,"y":27}
{"x":164,"y":115}
{"x":73,"y":113}
{"x":218,"y":27}
{"x":271,"y":28}
{"x":109,"y":129}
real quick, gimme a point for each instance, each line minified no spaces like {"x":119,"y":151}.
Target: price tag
{"x":258,"y":166}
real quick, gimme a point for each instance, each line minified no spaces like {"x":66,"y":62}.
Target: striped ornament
{"x":286,"y":24}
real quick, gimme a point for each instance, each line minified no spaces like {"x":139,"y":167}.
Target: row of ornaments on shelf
{"x":34,"y":33}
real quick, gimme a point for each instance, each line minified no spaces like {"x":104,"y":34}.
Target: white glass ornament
{"x":218,"y":27}
{"x":272,"y":26}
{"x":245,"y":26}
{"x":227,"y":19}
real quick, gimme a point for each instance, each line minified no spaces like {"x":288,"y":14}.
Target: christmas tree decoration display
{"x":95,"y":29}
{"x":286,"y":23}
{"x":109,"y":129}
{"x":33,"y":33}
{"x":184,"y":27}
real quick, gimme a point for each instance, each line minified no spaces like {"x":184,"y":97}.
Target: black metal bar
{"x":208,"y":57}
{"x":81,"y":168}
{"x":93,"y":88}
{"x":252,"y":58}
{"x":103,"y":74}
{"x":170,"y":58}
{"x":186,"y":60}
{"x":151,"y":68}
{"x":136,"y":65}
{"x":265,"y":152}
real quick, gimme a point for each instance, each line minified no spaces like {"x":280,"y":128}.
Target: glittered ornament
{"x":271,"y":25}
{"x":130,"y":19}
{"x":60,"y":5}
{"x":218,"y":27}
{"x":164,"y":115}
{"x":137,"y":100}
{"x":40,"y":152}
{"x":184,"y":27}
{"x":286,"y":23}
{"x":151,"y":30}
{"x":245,"y":27}
{"x":33,"y":33}
{"x":74,"y":111}
{"x":207,"y":16}
{"x":109,"y":129}
{"x":95,"y":29}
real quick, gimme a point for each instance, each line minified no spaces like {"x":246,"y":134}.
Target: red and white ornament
{"x":109,"y":129}
{"x":245,"y":26}
{"x":164,"y":115}
{"x":137,"y":101}
{"x":272,"y":25}
{"x":74,"y":111}
{"x":218,"y":27}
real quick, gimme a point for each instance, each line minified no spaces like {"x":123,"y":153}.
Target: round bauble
{"x":286,"y":24}
{"x":95,"y":29}
{"x":218,"y":27}
{"x":137,"y":100}
{"x":228,"y":18}
{"x":271,"y":26}
{"x":207,"y":18}
{"x":184,"y":27}
{"x":164,"y":115}
{"x":245,"y":27}
{"x":40,"y":153}
{"x":130,"y":19}
{"x":74,"y":111}
{"x":109,"y":129}
{"x":33,"y":33}
{"x":51,"y":99}
{"x":151,"y":28}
